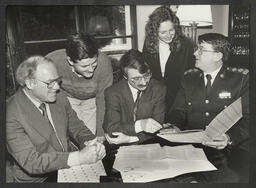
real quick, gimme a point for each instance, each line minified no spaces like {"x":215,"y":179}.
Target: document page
{"x":186,"y":137}
{"x":151,"y":162}
{"x":83,"y":173}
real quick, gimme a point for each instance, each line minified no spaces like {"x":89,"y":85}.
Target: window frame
{"x":80,"y":27}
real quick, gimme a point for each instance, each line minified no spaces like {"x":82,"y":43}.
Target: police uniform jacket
{"x":192,"y":110}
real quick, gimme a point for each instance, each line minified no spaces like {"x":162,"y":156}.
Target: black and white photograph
{"x":128,"y":93}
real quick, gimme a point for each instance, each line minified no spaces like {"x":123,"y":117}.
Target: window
{"x":38,"y":30}
{"x":45,"y":28}
{"x":111,"y":25}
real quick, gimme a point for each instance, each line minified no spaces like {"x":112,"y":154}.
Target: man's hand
{"x":150,"y":125}
{"x":88,"y":155}
{"x":120,"y":139}
{"x":169,"y":128}
{"x":218,"y":143}
{"x":101,"y":139}
{"x":100,"y":150}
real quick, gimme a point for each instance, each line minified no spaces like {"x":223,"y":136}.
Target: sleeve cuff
{"x":138,"y":126}
{"x":89,"y":142}
{"x":73,"y":159}
{"x":133,"y":139}
{"x":229,"y":140}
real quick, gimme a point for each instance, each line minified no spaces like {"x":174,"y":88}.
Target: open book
{"x":217,"y":127}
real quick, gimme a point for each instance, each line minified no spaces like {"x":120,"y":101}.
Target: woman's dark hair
{"x":81,"y":46}
{"x":134,"y":59}
{"x":158,"y":16}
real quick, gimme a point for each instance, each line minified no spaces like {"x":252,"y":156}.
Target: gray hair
{"x":26,"y":70}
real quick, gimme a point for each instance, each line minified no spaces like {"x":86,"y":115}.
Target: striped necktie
{"x":136,"y":105}
{"x":56,"y":138}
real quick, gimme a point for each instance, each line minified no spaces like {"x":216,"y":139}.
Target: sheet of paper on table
{"x":218,"y":126}
{"x":83,"y":173}
{"x":147,"y":163}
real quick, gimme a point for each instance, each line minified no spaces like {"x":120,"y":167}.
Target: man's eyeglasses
{"x":146,"y":77}
{"x":200,"y":50}
{"x":51,"y":84}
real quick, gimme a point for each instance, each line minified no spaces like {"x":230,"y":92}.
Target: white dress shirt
{"x":213,"y":75}
{"x":164,"y":53}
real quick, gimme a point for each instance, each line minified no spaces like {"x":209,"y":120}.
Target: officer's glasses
{"x":52,"y":83}
{"x":139,"y":79}
{"x":200,"y":50}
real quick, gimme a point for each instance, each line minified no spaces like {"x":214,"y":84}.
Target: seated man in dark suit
{"x":205,"y":92}
{"x":135,"y":106}
{"x":40,"y":123}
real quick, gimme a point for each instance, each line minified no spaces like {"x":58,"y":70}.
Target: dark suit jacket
{"x":191,"y":110}
{"x":120,"y":105}
{"x":177,"y":63}
{"x":29,"y":137}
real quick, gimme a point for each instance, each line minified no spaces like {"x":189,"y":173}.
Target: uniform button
{"x":207,"y":113}
{"x":207,"y":101}
{"x":225,"y":106}
{"x":189,"y":103}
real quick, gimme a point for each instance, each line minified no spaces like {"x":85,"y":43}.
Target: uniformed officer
{"x":208,"y":89}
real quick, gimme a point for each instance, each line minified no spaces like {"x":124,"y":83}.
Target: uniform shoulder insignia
{"x":246,"y":71}
{"x":191,"y":71}
{"x":239,"y":70}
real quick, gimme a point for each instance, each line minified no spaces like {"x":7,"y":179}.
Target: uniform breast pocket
{"x":221,"y":103}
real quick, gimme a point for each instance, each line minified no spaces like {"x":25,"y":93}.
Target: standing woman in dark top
{"x":167,"y":50}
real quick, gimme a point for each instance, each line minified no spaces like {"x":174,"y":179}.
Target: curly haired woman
{"x":167,"y":50}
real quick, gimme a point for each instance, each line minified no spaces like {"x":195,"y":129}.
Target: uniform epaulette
{"x":240,"y":70}
{"x":191,"y":71}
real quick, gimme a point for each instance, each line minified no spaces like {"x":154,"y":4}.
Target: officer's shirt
{"x":213,"y":75}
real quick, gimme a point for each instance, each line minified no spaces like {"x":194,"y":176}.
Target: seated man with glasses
{"x":135,"y":106}
{"x":40,"y":124}
{"x":86,"y":74}
{"x":205,"y":92}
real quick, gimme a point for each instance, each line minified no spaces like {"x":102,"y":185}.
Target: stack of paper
{"x":147,"y":163}
{"x":83,"y":173}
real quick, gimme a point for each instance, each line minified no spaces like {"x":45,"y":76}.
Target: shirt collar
{"x":72,"y":68}
{"x":163,"y":45}
{"x":134,"y":91}
{"x":213,"y":74}
{"x":35,"y":102}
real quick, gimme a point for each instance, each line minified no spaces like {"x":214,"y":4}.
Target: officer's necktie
{"x":43,"y":108}
{"x":208,"y":84}
{"x":136,"y":105}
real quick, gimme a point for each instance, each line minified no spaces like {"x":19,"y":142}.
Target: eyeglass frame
{"x":53,"y":82}
{"x":200,"y":50}
{"x":146,"y":77}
